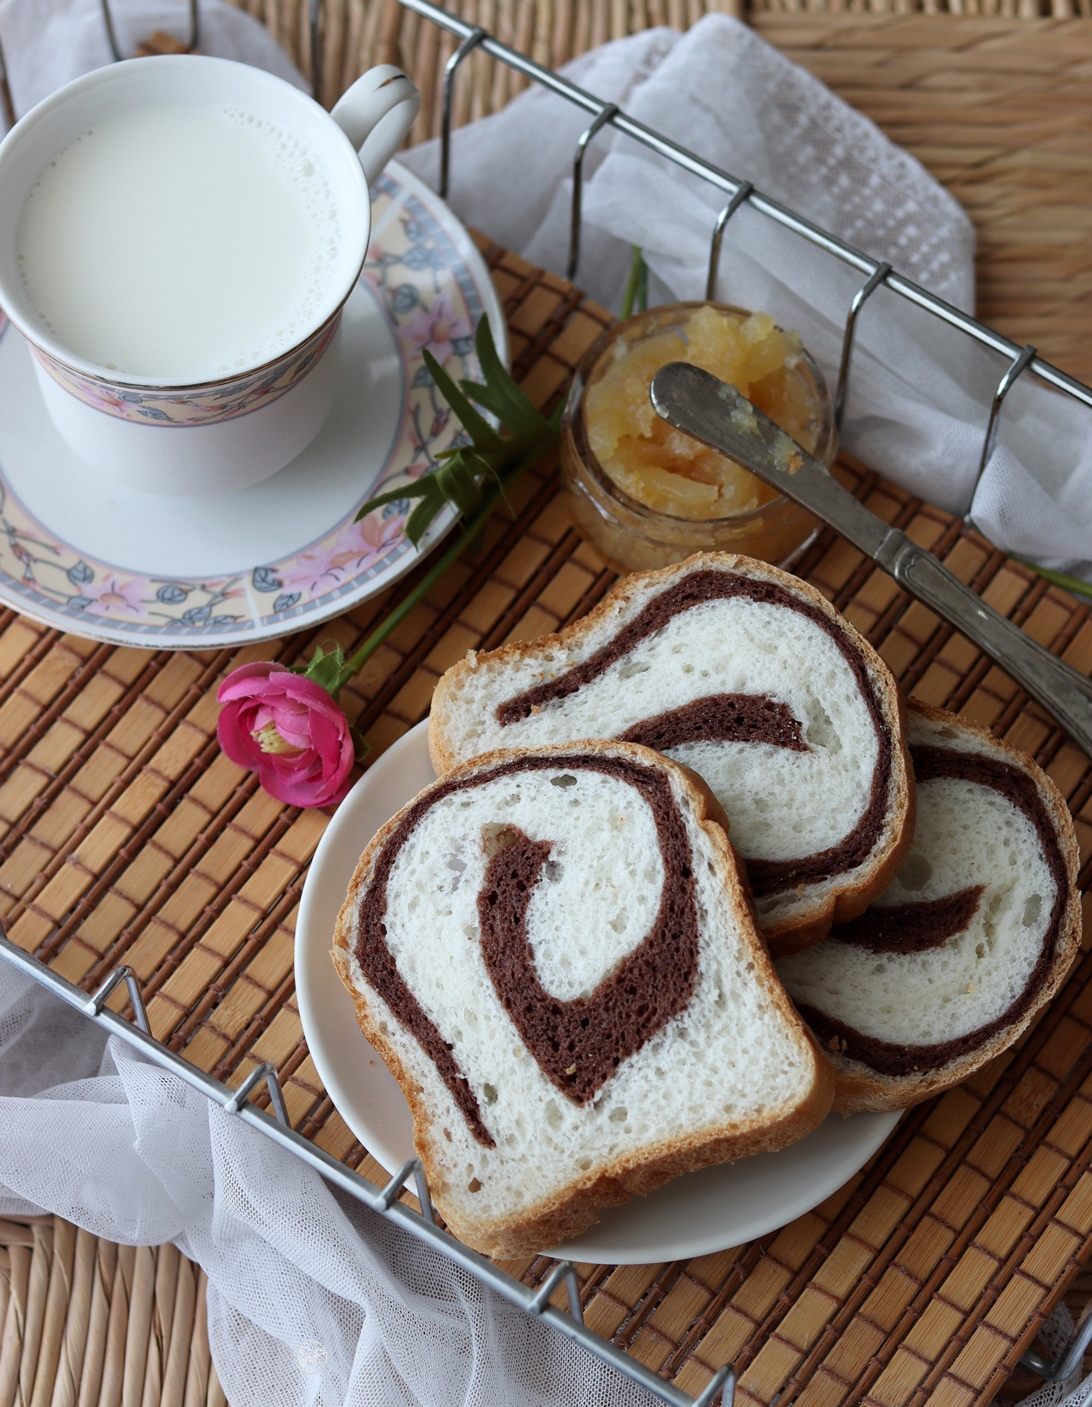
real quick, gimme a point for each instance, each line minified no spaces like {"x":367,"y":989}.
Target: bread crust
{"x":577,"y":1205}
{"x":857,"y":1086}
{"x":844,"y":900}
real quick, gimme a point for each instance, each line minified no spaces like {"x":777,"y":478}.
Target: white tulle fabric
{"x":919,"y":392}
{"x":297,"y":1274}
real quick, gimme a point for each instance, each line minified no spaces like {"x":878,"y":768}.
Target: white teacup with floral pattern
{"x":228,"y":428}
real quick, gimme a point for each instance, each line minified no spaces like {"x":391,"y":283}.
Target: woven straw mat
{"x":86,"y":1323}
{"x":126,"y":836}
{"x":358,"y":33}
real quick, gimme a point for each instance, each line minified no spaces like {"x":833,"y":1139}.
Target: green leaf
{"x":418,"y":489}
{"x":360,"y":743}
{"x":418,"y":521}
{"x":458,"y":484}
{"x":325,"y":669}
{"x":521,"y":418}
{"x":461,"y":471}
{"x":479,"y":429}
{"x":509,"y":404}
{"x":635,"y":295}
{"x":1074,"y":584}
{"x":483,"y":467}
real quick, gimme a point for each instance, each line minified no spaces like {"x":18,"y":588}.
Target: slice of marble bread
{"x":974,"y":935}
{"x":554,"y":952}
{"x":747,"y":675}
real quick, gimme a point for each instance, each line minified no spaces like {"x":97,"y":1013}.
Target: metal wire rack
{"x":737,"y":192}
{"x":741,"y":192}
{"x":384,"y":1200}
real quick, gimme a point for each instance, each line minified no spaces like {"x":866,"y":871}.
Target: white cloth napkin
{"x":919,"y":392}
{"x":47,"y":43}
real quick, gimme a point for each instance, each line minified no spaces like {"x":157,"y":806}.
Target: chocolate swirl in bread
{"x":748,"y":676}
{"x":935,"y":926}
{"x":727,"y":718}
{"x":577,"y":1044}
{"x":735,"y":717}
{"x":554,"y":952}
{"x":911,"y":928}
{"x":1035,"y":934}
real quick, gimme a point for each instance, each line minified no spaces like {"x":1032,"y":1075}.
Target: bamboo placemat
{"x":126,"y":836}
{"x":86,"y":1323}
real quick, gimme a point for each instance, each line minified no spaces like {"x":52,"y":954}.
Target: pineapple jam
{"x":647,"y":495}
{"x":658,"y":465}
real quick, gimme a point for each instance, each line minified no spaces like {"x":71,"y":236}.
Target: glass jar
{"x":634,"y":537}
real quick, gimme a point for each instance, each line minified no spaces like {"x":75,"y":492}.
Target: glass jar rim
{"x":826,"y":442}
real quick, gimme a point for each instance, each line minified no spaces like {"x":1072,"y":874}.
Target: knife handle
{"x":1063,"y":692}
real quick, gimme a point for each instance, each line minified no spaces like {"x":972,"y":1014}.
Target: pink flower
{"x":356,"y":547}
{"x":114,"y":596}
{"x":435,"y":327}
{"x":287,"y":729}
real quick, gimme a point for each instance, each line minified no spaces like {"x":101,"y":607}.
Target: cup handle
{"x":376,"y":115}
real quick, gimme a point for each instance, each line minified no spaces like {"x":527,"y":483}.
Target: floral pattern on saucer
{"x":433,"y":294}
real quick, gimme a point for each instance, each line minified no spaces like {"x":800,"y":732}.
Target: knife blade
{"x":714,"y":412}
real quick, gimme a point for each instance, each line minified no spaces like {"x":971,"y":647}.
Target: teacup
{"x":178,"y":236}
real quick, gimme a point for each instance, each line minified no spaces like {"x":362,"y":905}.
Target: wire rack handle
{"x":447,"y":100}
{"x":607,"y":115}
{"x":1019,"y":364}
{"x":718,"y":237}
{"x":96,"y":1003}
{"x":112,"y":38}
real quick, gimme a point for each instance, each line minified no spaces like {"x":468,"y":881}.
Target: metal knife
{"x":711,"y":411}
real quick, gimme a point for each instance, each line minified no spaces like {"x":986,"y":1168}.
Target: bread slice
{"x":555,"y":954}
{"x":747,"y":675}
{"x":975,"y":934}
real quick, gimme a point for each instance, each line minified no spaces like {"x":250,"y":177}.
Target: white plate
{"x":691,"y":1216}
{"x":90,"y":556}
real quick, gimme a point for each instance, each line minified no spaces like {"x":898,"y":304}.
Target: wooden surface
{"x":126,"y":836}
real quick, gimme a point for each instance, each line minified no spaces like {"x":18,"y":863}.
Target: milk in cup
{"x":183,"y":241}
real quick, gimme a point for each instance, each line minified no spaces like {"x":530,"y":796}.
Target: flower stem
{"x":1073,"y":584}
{"x":635,"y":295}
{"x":359,"y":658}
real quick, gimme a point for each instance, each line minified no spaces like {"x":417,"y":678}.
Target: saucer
{"x":89,"y":556}
{"x":693,"y":1215}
